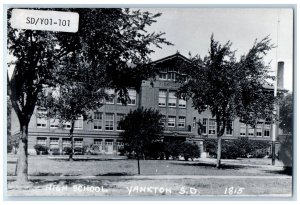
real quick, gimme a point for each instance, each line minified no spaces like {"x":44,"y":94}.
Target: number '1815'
{"x":233,"y":190}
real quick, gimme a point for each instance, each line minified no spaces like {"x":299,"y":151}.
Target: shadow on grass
{"x":288,"y":172}
{"x":208,"y":165}
{"x":115,"y":174}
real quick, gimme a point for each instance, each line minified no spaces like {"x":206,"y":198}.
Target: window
{"x":182,"y":102}
{"x":119,"y":118}
{"x":162,"y":98}
{"x":172,"y":74}
{"x":212,"y":126}
{"x":204,"y":126}
{"x":66,"y":142}
{"x":54,"y":123}
{"x":162,"y":121}
{"x":267,"y":129}
{"x":109,"y":121}
{"x":259,"y":126}
{"x":41,"y":120}
{"x":110,"y":99}
{"x":97,"y":121}
{"x":120,"y":145}
{"x":78,"y":123}
{"x":181,"y":122}
{"x":163,"y":74}
{"x":194,"y":122}
{"x":67,"y":125}
{"x":132,"y":96}
{"x":78,"y":142}
{"x":242,"y":129}
{"x":250,"y":131}
{"x":41,"y":141}
{"x":171,"y":121}
{"x":54,"y":142}
{"x":98,"y":141}
{"x":172,"y":99}
{"x":228,"y":130}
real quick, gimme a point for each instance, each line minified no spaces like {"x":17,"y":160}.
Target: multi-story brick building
{"x":180,"y":119}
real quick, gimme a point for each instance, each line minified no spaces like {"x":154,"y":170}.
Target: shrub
{"x":172,"y":148}
{"x":55,"y":151}
{"x":40,"y":149}
{"x":189,"y":150}
{"x":286,"y":153}
{"x":67,"y":150}
{"x":78,"y":150}
{"x":122,"y":151}
{"x":240,"y":147}
{"x":155,"y":150}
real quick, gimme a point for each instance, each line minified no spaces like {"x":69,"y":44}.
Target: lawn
{"x":42,"y":166}
{"x":119,"y":177}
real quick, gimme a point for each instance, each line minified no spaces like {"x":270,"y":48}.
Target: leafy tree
{"x":189,"y":150}
{"x":141,"y":129}
{"x":230,"y":88}
{"x":286,"y":114}
{"x":108,"y":40}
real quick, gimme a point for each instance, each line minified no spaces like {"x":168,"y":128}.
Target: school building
{"x":180,"y":119}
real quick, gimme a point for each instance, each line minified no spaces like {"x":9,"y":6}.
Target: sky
{"x":189,"y":29}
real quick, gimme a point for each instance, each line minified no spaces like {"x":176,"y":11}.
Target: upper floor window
{"x":54,"y":123}
{"x":162,"y":98}
{"x":78,"y":123}
{"x":132,"y":96}
{"x":212,"y":126}
{"x":163,"y":74}
{"x":110,"y":99}
{"x":162,"y":121}
{"x":172,"y":99}
{"x":182,"y":102}
{"x":229,"y":129}
{"x":172,"y":76}
{"x":97,"y":121}
{"x":250,"y":131}
{"x":267,"y":128}
{"x":119,"y":118}
{"x":171,"y":121}
{"x":181,"y":122}
{"x":67,"y":125}
{"x":41,"y":120}
{"x":109,"y":121}
{"x":259,"y":126}
{"x":204,"y":126}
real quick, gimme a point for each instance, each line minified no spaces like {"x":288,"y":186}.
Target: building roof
{"x":171,"y":57}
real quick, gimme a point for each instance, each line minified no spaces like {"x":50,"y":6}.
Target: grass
{"x":42,"y":166}
{"x":113,"y":170}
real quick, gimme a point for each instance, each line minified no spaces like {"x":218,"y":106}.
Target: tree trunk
{"x":219,"y":136}
{"x":139,"y":92}
{"x":22,"y":165}
{"x":218,"y":165}
{"x":138,"y":161}
{"x":71,"y":140}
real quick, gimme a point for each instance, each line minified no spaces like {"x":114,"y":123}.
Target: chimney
{"x":280,"y":74}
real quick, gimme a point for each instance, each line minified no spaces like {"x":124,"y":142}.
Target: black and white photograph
{"x":149,"y":101}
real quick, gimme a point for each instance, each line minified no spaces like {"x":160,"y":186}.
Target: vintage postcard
{"x":141,"y":101}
